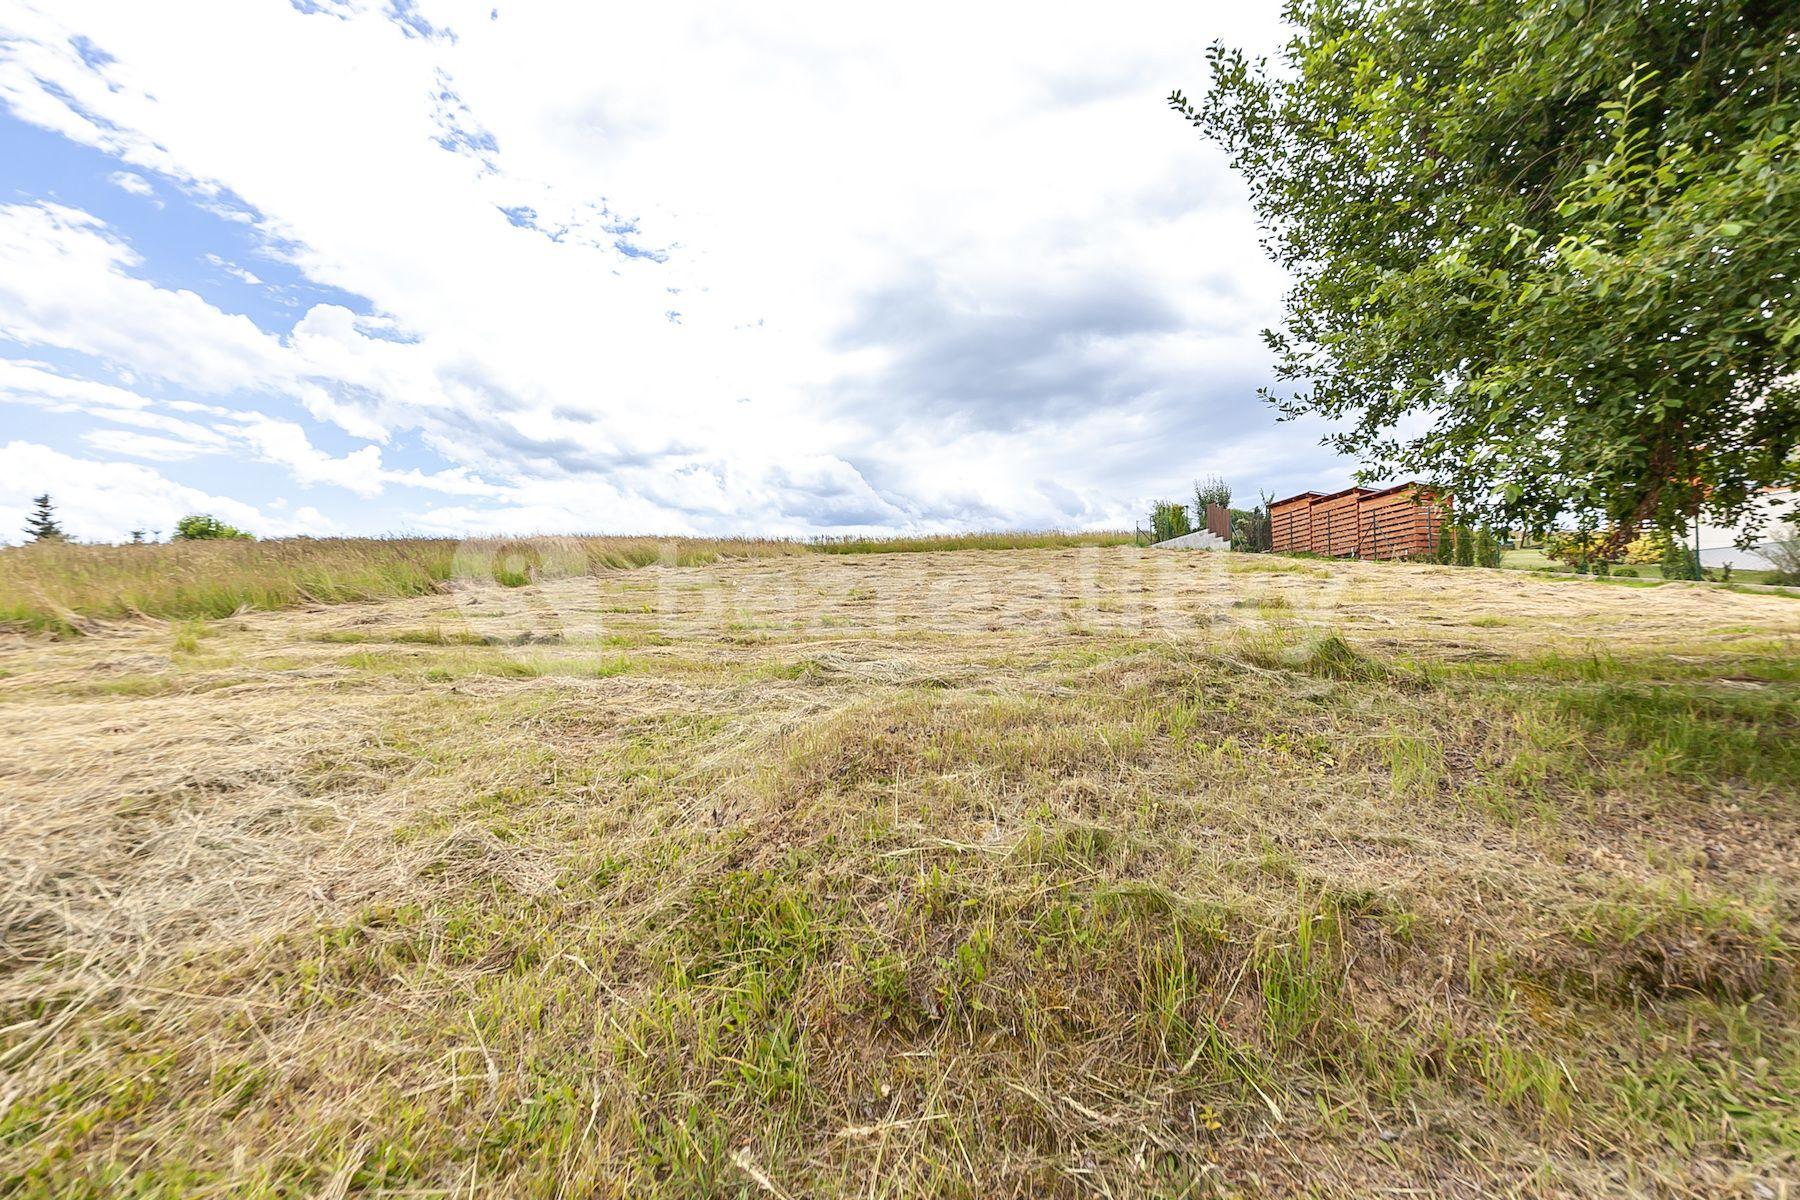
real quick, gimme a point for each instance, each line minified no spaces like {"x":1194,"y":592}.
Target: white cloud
{"x":35,"y":382}
{"x":245,"y":433}
{"x":141,"y":445}
{"x":286,"y":443}
{"x":67,"y":283}
{"x":233,"y":270}
{"x":131,"y":181}
{"x":203,"y":438}
{"x":899,"y":251}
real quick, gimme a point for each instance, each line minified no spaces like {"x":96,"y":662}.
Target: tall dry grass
{"x":1026,"y":539}
{"x":60,"y":587}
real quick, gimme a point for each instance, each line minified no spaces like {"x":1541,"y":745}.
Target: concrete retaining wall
{"x":1194,"y":541}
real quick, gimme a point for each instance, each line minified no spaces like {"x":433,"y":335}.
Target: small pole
{"x":1695,"y":568}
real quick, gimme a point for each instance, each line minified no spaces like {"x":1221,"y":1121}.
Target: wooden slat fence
{"x":1404,"y":520}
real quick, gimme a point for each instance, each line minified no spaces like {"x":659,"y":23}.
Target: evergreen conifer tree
{"x":41,"y":525}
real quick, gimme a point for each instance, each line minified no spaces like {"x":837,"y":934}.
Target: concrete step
{"x":1205,"y":539}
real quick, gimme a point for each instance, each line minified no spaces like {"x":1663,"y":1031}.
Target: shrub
{"x":1679,"y":562}
{"x":1626,"y":573}
{"x":1168,"y":520}
{"x":1465,"y":546}
{"x":1785,"y":554}
{"x":1580,"y":549}
{"x":1648,"y":548}
{"x":204,"y":527}
{"x":1211,"y":490}
{"x":1487,"y":548}
{"x":1250,"y":530}
{"x":1446,"y":545}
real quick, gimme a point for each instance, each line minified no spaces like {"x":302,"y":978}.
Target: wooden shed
{"x":1290,"y":522}
{"x":1336,"y":523}
{"x":1399,"y":521}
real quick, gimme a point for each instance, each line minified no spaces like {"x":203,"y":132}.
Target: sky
{"x":381,"y":266}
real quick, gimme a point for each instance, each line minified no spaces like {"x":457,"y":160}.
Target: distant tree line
{"x":41,"y":525}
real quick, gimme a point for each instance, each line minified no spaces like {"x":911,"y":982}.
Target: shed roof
{"x":1399,"y":487}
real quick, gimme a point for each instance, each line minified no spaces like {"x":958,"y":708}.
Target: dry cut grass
{"x":1012,"y":540}
{"x":1038,"y":873}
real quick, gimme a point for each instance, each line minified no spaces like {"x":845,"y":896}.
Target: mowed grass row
{"x":58,"y":587}
{"x":1011,"y":540}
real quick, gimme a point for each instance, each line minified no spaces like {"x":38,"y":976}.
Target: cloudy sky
{"x":382,"y":265}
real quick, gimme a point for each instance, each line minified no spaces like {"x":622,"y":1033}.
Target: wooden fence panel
{"x":1290,"y":522}
{"x":1335,"y":527}
{"x":1402,"y":521}
{"x":1218,"y":521}
{"x":1399,"y":522}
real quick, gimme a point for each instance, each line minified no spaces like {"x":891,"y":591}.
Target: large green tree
{"x":1543,"y":252}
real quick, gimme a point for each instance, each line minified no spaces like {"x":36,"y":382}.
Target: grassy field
{"x":1034,"y":873}
{"x":1018,"y":540}
{"x":64,"y":588}
{"x":1537,"y":560}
